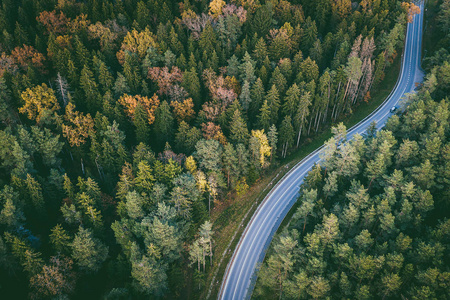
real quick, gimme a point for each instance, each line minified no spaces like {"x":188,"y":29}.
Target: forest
{"x":372,"y":220}
{"x":124,"y":123}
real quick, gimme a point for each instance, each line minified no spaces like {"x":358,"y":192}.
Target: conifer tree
{"x":238,"y":129}
{"x":273,"y":101}
{"x":164,"y":123}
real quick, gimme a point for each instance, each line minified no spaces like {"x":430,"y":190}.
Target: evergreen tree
{"x":90,"y":88}
{"x":264,"y":117}
{"x":273,"y":101}
{"x":238,"y":129}
{"x":88,"y":252}
{"x":287,"y":133}
{"x":140,"y":121}
{"x":245,"y":96}
{"x":164,"y":123}
{"x":291,"y":100}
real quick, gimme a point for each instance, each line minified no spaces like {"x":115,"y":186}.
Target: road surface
{"x":240,"y":275}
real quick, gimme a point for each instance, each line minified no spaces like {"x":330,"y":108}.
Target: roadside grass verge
{"x":235,"y":211}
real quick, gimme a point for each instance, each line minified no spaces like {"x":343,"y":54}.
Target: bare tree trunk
{"x":204,"y":259}
{"x":210,"y":251}
{"x":318,"y":122}
{"x":299,"y":134}
{"x":333,"y":111}
{"x":310,"y":122}
{"x":82,"y":167}
{"x":315,"y":120}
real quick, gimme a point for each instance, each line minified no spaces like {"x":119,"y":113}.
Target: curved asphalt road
{"x":240,"y":274}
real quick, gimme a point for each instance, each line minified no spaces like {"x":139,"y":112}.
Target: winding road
{"x":240,"y":275}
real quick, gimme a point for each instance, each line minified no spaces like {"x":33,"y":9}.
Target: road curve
{"x":240,"y":275}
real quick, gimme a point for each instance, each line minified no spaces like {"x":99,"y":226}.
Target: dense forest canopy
{"x":122,"y":124}
{"x":373,"y":219}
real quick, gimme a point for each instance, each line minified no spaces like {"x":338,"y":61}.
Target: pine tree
{"x":81,"y":53}
{"x":121,"y":86}
{"x":140,"y":121}
{"x":291,"y":101}
{"x":59,"y":239}
{"x":105,"y":78}
{"x":132,"y":73}
{"x":272,"y":136}
{"x":247,"y":69}
{"x":191,"y":83}
{"x":245,"y":96}
{"x":302,"y":112}
{"x":287,"y":133}
{"x":264,"y":117}
{"x":238,"y":129}
{"x":88,"y":252}
{"x":257,"y":93}
{"x":261,"y":21}
{"x":229,"y":163}
{"x":278,"y":80}
{"x":273,"y":101}
{"x":164,"y":123}
{"x":90,"y":88}
{"x":260,"y":51}
{"x":309,"y":34}
{"x":142,"y":15}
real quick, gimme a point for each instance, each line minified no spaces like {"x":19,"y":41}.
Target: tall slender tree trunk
{"x":204,"y":259}
{"x":309,"y":126}
{"x":318,"y":122}
{"x":299,"y":133}
{"x":210,"y":251}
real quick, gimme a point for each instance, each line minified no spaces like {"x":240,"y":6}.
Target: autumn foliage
{"x":39,"y":100}
{"x":412,"y":10}
{"x":165,"y":78}
{"x":212,"y":131}
{"x":136,"y":42}
{"x":184,"y":110}
{"x":20,"y":59}
{"x":78,"y":126}
{"x":53,"y":22}
{"x":149,"y":104}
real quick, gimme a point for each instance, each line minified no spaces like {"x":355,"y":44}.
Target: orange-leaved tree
{"x":149,"y":104}
{"x":184,"y":110}
{"x":411,"y":9}
{"x":53,"y":22}
{"x":78,"y":126}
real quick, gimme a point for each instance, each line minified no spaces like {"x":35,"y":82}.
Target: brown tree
{"x":55,"y":279}
{"x":212,"y":131}
{"x":165,"y":78}
{"x":53,"y":22}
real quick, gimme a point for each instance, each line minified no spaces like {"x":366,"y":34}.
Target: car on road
{"x":394,"y":108}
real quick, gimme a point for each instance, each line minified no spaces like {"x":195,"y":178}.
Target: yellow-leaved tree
{"x":39,"y":101}
{"x":215,"y":7}
{"x":263,"y":144}
{"x":136,"y":42}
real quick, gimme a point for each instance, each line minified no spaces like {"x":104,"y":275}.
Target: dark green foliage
{"x":123,"y":221}
{"x":372,"y":212}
